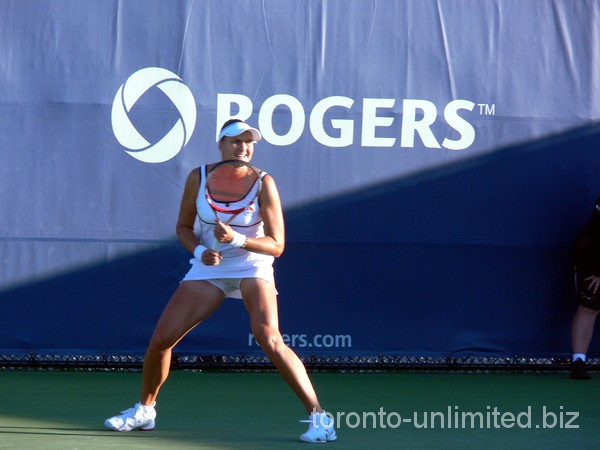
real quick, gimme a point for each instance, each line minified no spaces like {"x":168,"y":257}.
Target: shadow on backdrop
{"x":471,"y":258}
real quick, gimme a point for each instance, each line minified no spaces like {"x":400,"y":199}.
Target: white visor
{"x":237,"y":128}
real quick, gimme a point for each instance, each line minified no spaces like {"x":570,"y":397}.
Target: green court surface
{"x":66,"y":410}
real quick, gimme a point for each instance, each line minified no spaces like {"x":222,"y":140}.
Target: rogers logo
{"x":130,"y":92}
{"x":417,"y":120}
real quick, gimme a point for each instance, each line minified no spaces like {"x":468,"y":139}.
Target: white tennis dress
{"x":237,"y":263}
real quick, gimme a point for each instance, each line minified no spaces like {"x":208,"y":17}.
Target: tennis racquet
{"x":231,"y":188}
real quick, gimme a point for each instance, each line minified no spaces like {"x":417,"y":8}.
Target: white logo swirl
{"x":130,"y":92}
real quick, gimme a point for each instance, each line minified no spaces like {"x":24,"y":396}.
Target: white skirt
{"x":237,"y":268}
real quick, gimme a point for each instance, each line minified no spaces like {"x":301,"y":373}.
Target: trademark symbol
{"x":487,"y":109}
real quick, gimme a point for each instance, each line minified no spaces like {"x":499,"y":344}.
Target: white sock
{"x":580,"y":356}
{"x":146,"y":408}
{"x":321,"y":419}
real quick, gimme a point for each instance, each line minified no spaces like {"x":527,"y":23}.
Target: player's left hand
{"x":211,"y":257}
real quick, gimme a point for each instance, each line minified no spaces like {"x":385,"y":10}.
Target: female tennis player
{"x":233,"y":259}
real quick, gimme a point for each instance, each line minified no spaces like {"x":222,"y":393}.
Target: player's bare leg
{"x":261,"y":302}
{"x":192,"y":302}
{"x":582,"y":329}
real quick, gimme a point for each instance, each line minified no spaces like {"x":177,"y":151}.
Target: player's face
{"x":239,"y":148}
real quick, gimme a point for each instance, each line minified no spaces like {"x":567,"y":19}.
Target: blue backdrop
{"x":435,"y":161}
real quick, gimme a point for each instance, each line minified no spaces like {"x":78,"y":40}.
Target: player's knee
{"x":159,"y":343}
{"x":270,"y":340}
{"x":586,"y":311}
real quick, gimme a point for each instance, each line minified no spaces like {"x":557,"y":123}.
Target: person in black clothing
{"x":586,"y":265}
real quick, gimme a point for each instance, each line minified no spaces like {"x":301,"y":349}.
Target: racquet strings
{"x":232,"y":186}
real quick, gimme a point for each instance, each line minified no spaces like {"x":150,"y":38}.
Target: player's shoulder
{"x":196,"y":172}
{"x":193,"y":178}
{"x":268,"y":184}
{"x":265,"y":176}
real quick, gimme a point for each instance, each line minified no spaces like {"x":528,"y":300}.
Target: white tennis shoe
{"x":320,"y":428}
{"x":139,"y":417}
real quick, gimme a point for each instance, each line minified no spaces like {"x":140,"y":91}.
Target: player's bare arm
{"x":187,"y":212}
{"x":271,"y":212}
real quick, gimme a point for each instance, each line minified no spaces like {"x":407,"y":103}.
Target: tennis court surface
{"x":66,"y":410}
